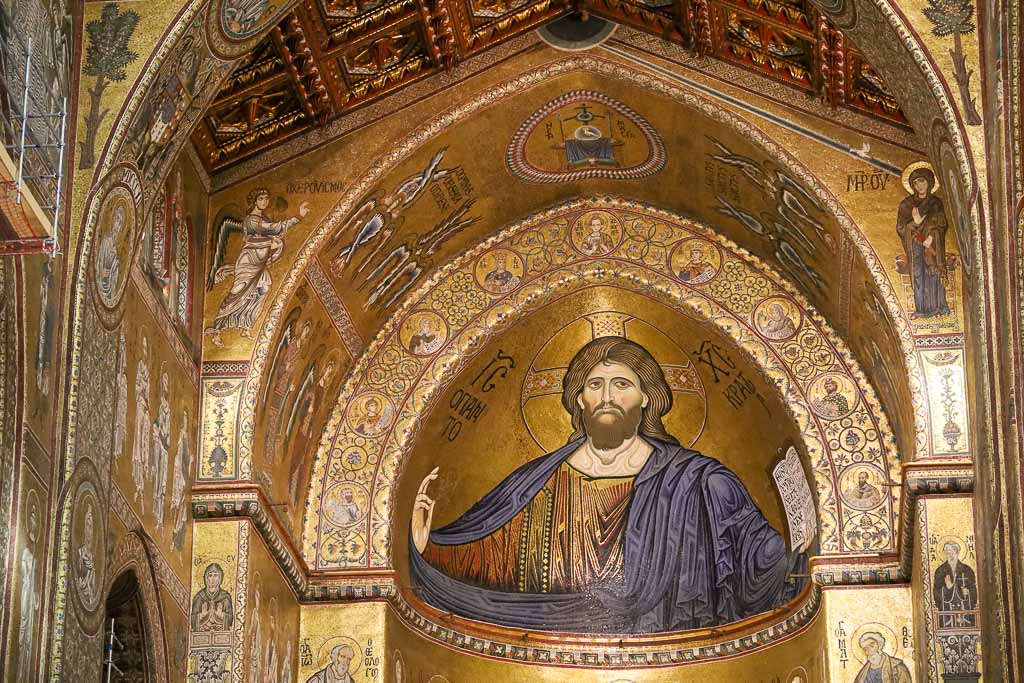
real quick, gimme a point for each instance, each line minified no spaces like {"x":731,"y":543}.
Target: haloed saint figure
{"x":622,"y":530}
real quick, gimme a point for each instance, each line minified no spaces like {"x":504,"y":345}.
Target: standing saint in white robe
{"x":121,"y":399}
{"x":161,"y":451}
{"x":182,"y":470}
{"x":143,"y":428}
{"x":29,"y":600}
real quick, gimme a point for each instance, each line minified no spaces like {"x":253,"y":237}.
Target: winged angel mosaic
{"x":622,"y":530}
{"x":262,"y":246}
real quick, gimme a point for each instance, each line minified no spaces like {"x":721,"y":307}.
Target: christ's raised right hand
{"x":423,"y":513}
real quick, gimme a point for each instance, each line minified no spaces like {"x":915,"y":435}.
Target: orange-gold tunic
{"x":566,"y":539}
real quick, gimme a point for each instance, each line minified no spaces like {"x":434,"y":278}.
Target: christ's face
{"x":612,"y":403}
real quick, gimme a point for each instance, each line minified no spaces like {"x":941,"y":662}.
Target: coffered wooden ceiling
{"x":329,"y":57}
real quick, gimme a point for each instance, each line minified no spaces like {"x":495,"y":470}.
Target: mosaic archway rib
{"x":406,"y":385}
{"x":592,"y":66}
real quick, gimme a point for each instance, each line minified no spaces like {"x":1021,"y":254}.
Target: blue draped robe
{"x":698,"y":553}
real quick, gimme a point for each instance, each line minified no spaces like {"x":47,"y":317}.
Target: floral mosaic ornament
{"x":801,"y":367}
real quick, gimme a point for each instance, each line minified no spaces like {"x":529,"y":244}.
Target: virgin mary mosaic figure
{"x":921,"y":225}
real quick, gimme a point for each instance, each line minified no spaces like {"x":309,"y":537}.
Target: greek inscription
{"x":711,"y":355}
{"x":314,"y":186}
{"x":465,"y":407}
{"x":864,"y":181}
{"x":721,"y":180}
{"x":305,"y":653}
{"x":841,"y":644}
{"x":452,"y":189}
{"x":499,"y":366}
{"x":371,"y":661}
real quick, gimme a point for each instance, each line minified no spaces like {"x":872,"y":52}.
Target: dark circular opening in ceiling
{"x":576,"y":31}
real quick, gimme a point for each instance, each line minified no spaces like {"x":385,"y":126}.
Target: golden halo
{"x":892,"y":646}
{"x":541,"y":399}
{"x":323,"y":656}
{"x":940,"y":545}
{"x":905,"y":176}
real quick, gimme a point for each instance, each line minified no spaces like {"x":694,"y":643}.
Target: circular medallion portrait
{"x":777,"y":318}
{"x":596,"y":233}
{"x":423,"y":333}
{"x":371,"y":414}
{"x":499,"y":271}
{"x":337,"y":660}
{"x":695,"y":261}
{"x":115,"y":237}
{"x":862,"y":486}
{"x":832,"y":396}
{"x":87,"y":552}
{"x":346,"y":503}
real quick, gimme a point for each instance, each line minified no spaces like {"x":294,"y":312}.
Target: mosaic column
{"x":946,"y":587}
{"x":220,"y":568}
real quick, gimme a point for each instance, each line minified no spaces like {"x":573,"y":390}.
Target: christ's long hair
{"x":635,"y":357}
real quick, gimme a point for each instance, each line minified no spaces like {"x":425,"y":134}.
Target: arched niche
{"x":393,"y":396}
{"x":133,"y":593}
{"x":776,"y":188}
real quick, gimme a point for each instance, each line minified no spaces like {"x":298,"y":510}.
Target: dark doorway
{"x":125,"y":654}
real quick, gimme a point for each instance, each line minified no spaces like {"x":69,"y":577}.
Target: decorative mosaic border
{"x":621,"y":655}
{"x":508,"y":89}
{"x":241,"y":504}
{"x":336,"y":309}
{"x":165,"y":574}
{"x":345,"y":586}
{"x":419,"y":380}
{"x":225,"y":368}
{"x":214,"y":505}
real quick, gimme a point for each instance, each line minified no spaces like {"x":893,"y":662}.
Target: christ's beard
{"x":608,"y":426}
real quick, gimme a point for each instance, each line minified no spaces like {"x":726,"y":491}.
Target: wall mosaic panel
{"x":643,"y":259}
{"x":949,"y":589}
{"x":336,"y":642}
{"x":870,"y":633}
{"x":220,"y":580}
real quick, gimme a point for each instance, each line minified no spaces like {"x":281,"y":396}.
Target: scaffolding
{"x":33,"y":127}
